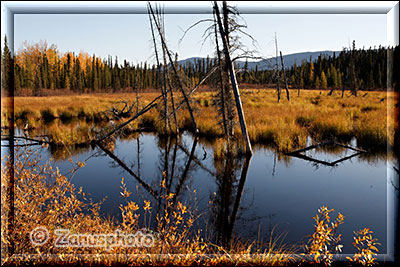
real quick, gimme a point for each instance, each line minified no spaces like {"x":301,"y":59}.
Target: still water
{"x":238,"y":197}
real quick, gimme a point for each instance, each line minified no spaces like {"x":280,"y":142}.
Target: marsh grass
{"x":285,"y":125}
{"x":47,"y":115}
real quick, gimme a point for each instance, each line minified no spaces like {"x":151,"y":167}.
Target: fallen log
{"x":310,"y":147}
{"x":141,"y":112}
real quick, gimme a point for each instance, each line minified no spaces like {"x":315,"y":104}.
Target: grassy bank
{"x":46,"y":198}
{"x":285,"y":125}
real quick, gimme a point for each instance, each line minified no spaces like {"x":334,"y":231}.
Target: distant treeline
{"x":39,"y":66}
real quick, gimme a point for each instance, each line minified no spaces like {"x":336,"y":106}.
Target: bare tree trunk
{"x":172,"y":101}
{"x":221,"y":81}
{"x":278,"y":90}
{"x":285,"y":78}
{"x":230,"y":116}
{"x":234,"y":82}
{"x":175,"y":70}
{"x":164,"y":84}
{"x":168,"y":82}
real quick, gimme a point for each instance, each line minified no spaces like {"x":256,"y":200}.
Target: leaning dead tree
{"x":167,"y":85}
{"x":148,"y":107}
{"x":223,"y":31}
{"x":163,"y":82}
{"x":168,"y":54}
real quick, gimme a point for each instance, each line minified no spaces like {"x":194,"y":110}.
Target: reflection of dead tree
{"x":167,"y":168}
{"x":138,"y":155}
{"x":185,"y":173}
{"x":396,"y":187}
{"x":224,"y":219}
{"x":239,"y":192}
{"x":153,"y":192}
{"x":196,"y":160}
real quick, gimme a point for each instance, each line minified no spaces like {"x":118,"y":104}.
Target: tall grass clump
{"x":47,"y":115}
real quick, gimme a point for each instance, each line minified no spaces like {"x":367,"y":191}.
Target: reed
{"x":285,"y":125}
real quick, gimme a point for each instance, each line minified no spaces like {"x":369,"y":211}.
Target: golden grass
{"x":44,"y":197}
{"x":285,"y":125}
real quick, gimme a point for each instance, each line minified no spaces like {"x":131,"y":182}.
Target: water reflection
{"x":284,"y":190}
{"x":226,"y":200}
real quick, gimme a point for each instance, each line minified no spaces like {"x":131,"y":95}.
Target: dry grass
{"x":285,"y":125}
{"x":45,"y":197}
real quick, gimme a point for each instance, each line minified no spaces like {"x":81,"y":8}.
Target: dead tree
{"x":278,"y":90}
{"x":230,"y":65}
{"x":222,"y":98}
{"x":124,"y":112}
{"x":167,"y":81}
{"x":163,"y":86}
{"x":285,"y":78}
{"x":149,"y":106}
{"x":168,"y":53}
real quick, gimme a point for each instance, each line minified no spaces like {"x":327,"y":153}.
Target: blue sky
{"x":129,"y":36}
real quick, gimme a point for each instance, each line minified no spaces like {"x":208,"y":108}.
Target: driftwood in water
{"x":233,"y":81}
{"x":310,"y":147}
{"x":285,"y":78}
{"x":297,"y":153}
{"x":37,"y":142}
{"x":327,"y":142}
{"x":334,"y":163}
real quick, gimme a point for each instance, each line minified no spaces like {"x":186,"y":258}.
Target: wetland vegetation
{"x":220,"y":163}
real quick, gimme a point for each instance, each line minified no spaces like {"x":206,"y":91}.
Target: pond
{"x":238,"y":197}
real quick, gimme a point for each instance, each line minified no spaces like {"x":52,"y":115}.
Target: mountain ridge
{"x":269,"y":63}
